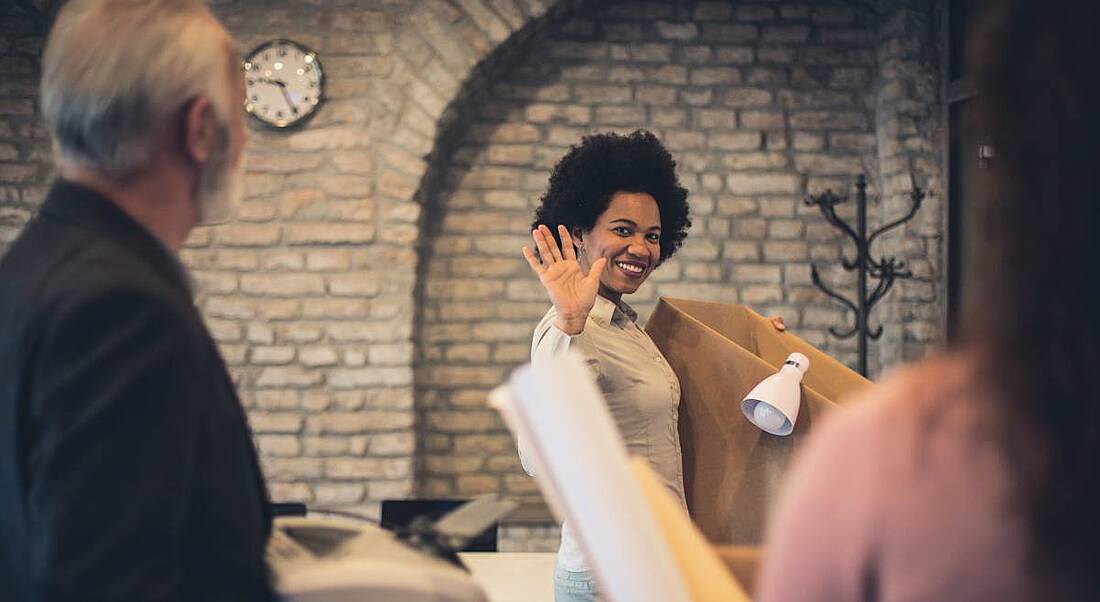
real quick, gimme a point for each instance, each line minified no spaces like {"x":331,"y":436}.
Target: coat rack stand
{"x":884,"y":270}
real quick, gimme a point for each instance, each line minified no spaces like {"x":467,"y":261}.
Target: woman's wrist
{"x":571,"y":325}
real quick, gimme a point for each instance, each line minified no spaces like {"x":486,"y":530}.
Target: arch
{"x":445,"y":57}
{"x":455,"y":427}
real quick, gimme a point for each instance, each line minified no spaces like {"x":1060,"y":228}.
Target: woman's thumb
{"x":596,"y":269}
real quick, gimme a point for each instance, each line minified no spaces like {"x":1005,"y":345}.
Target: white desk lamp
{"x":773,"y":404}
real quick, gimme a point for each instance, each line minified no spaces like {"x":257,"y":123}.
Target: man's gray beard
{"x":220,"y":186}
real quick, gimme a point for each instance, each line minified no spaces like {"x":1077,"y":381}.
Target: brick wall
{"x":909,"y":134}
{"x":759,"y":104}
{"x":25,"y":166}
{"x":308,"y":291}
{"x":372,"y":289}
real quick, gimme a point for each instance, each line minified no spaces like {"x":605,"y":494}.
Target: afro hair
{"x":585,"y":179}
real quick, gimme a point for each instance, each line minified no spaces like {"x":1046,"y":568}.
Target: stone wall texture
{"x":371,"y":291}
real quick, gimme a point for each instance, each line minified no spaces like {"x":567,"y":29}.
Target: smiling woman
{"x":614,"y":211}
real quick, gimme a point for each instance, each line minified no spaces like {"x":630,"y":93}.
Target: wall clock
{"x":284,"y":83}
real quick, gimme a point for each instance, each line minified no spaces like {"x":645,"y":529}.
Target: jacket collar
{"x":83,"y":207}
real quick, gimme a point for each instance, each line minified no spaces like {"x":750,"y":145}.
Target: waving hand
{"x":572,"y":292}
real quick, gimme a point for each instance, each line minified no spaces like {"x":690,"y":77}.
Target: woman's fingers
{"x":533,"y":261}
{"x":567,"y":250}
{"x":553,"y":244}
{"x":544,"y":249}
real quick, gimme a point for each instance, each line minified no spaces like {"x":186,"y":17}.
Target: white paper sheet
{"x":581,"y":465}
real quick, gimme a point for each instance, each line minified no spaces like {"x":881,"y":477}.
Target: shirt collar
{"x":607,"y":311}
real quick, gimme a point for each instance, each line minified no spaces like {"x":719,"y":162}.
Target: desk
{"x":513,"y":576}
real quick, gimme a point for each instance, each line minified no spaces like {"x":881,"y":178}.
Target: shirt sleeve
{"x":114,"y":422}
{"x":551,"y":342}
{"x":818,"y":539}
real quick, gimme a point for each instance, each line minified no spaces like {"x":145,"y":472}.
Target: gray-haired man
{"x":126,"y":467}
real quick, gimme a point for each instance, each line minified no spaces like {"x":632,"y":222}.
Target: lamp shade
{"x":773,"y":404}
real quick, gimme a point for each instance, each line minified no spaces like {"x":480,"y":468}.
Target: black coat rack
{"x":885,"y":270}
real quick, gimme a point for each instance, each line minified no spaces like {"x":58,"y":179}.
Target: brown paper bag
{"x":732,"y":469}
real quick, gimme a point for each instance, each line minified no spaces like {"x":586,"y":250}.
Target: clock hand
{"x":282,"y":88}
{"x":274,"y":82}
{"x":289,"y":103}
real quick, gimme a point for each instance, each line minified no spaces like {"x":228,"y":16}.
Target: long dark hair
{"x":1035,"y":318}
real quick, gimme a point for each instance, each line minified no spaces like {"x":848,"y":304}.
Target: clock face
{"x":284,"y":83}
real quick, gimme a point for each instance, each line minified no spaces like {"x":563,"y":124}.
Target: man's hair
{"x":116,"y":72}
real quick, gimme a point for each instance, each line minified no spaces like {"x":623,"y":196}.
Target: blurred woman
{"x":614,"y":211}
{"x":974,"y":476}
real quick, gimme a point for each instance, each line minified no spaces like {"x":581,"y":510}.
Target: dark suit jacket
{"x":127,"y":470}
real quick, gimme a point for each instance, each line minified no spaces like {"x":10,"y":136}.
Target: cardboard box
{"x":732,"y":470}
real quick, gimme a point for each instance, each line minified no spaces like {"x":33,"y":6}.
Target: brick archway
{"x":759,"y":105}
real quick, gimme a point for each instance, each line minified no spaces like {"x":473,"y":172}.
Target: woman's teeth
{"x":627,"y":267}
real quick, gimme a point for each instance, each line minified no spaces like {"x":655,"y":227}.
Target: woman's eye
{"x":651,"y":237}
{"x":622,"y":231}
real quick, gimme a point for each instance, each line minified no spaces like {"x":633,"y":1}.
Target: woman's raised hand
{"x":572,"y":292}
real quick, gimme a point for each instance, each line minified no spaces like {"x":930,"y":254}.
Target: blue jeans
{"x":574,"y":586}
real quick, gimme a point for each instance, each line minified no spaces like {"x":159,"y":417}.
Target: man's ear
{"x":199,"y":129}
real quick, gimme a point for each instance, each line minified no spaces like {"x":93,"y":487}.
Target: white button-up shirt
{"x":641,"y":390}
